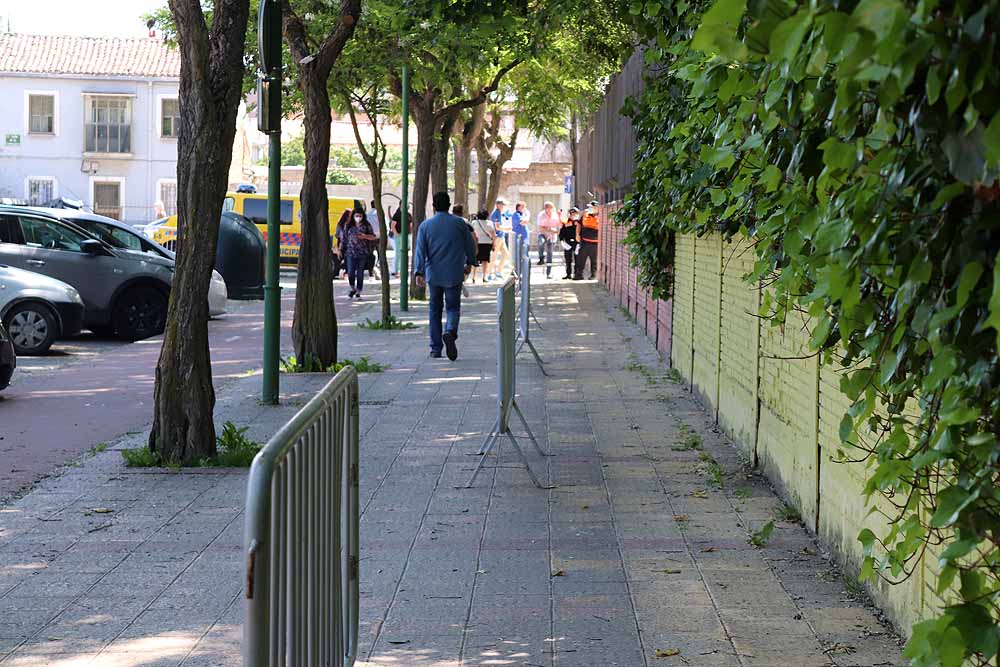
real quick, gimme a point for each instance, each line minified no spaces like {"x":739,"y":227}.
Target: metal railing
{"x":525,"y":312}
{"x":301,"y":537}
{"x":506,"y":388}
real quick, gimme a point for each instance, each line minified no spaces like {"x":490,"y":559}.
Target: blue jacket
{"x":444,"y":248}
{"x":520,"y":230}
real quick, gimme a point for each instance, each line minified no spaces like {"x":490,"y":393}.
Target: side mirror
{"x":93,"y":247}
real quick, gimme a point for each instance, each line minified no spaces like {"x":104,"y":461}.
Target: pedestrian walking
{"x":445,"y":253}
{"x":501,"y":230}
{"x":548,"y":232}
{"x":485,"y":238}
{"x":358,"y":238}
{"x":395,"y":227}
{"x":587,"y":234}
{"x":339,"y":253}
{"x":567,"y":239}
{"x":519,"y":223}
{"x":371,"y":215}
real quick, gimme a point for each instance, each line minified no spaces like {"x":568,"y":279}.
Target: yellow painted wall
{"x":779,"y":403}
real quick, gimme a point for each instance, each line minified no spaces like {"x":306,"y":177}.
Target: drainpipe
{"x":149,"y":147}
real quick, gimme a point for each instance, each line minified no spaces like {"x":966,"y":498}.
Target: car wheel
{"x":32,"y":328}
{"x":139,"y":313}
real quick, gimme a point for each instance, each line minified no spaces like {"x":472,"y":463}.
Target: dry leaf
{"x":585,"y":507}
{"x":667,"y":652}
{"x":708,"y":550}
{"x":102,"y":510}
{"x":668,"y":571}
{"x":559,"y":573}
{"x":700,"y":493}
{"x":681,"y":517}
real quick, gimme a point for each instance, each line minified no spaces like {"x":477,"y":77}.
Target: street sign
{"x":568,"y":184}
{"x":12,"y":139}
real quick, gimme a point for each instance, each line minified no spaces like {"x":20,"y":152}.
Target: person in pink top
{"x":548,"y":232}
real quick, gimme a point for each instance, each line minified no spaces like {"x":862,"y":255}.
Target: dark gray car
{"x":123,"y":292}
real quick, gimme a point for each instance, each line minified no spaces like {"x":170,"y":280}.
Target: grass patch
{"x":234,"y":450}
{"x":310,"y":365}
{"x":674,"y":376}
{"x":711,"y":469}
{"x":691,"y":441}
{"x":634,"y":366}
{"x":761,"y":537}
{"x":98,"y":448}
{"x":785,"y":512}
{"x":392,"y":324}
{"x":743,"y":493}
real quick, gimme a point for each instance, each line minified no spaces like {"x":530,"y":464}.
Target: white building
{"x":90,"y":118}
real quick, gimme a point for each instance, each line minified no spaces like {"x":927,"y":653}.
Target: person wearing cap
{"x":548,"y":231}
{"x":445,"y":253}
{"x":587,"y":230}
{"x":567,"y":238}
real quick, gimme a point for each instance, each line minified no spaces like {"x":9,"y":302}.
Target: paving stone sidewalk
{"x":638,"y":556}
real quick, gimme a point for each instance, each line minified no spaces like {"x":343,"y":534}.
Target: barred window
{"x":40,"y":191}
{"x":109,"y":125}
{"x":41,"y":114}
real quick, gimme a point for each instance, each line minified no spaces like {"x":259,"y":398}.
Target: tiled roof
{"x":100,"y":56}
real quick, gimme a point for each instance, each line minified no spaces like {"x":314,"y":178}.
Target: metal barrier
{"x":525,"y":312}
{"x":506,"y":388}
{"x":301,"y":537}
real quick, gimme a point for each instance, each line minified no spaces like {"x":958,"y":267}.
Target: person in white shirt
{"x":548,"y":232}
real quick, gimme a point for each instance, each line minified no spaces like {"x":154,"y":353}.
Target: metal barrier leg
{"x":489,"y":438}
{"x":534,"y":353}
{"x":527,"y":428}
{"x":487,"y":446}
{"x":524,"y":460}
{"x":531,"y":311}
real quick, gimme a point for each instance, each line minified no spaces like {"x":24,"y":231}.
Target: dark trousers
{"x":545,"y":254}
{"x":356,"y":272}
{"x":588,"y":251}
{"x":449,"y":300}
{"x":568,"y":256}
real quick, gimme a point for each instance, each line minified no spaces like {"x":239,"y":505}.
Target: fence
{"x":525,"y":311}
{"x":506,"y":386}
{"x":301,"y":537}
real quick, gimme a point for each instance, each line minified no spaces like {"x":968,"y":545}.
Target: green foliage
{"x":340,"y":177}
{"x":857,"y":145}
{"x":236,"y":450}
{"x":759,"y":538}
{"x":346,"y":157}
{"x":141,"y":457}
{"x":785,"y":512}
{"x":98,"y":448}
{"x":392,"y":324}
{"x":310,"y":365}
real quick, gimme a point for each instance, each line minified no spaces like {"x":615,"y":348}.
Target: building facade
{"x":93,"y":119}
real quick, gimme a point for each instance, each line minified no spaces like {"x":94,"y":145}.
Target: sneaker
{"x":567,"y":277}
{"x":541,"y":262}
{"x":350,"y":295}
{"x":435,"y":354}
{"x":449,"y":345}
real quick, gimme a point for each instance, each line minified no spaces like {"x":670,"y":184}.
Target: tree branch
{"x":483,"y":92}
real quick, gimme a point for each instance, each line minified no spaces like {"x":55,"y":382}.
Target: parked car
{"x":122,"y":236}
{"x":123,"y":292}
{"x":8,"y":359}
{"x":150,"y":228}
{"x":36,"y":309}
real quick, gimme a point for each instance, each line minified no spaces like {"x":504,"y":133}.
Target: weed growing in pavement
{"x":361,"y":365}
{"x":785,"y":512}
{"x":710,"y":467}
{"x":235,"y":450}
{"x":742,"y":493}
{"x":674,"y":376}
{"x":627,"y":313}
{"x":691,"y":441}
{"x":392,"y":324}
{"x":141,"y":457}
{"x":98,"y":448}
{"x":761,"y":537}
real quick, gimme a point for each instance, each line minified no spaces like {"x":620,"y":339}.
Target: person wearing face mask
{"x":358,"y":238}
{"x":567,"y":238}
{"x":587,"y":237}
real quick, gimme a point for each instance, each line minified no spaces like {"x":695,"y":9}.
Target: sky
{"x":94,"y":18}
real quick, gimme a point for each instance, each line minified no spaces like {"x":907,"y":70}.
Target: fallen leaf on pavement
{"x":559,"y":573}
{"x":700,"y":493}
{"x":708,"y":550}
{"x":668,"y":571}
{"x":102,"y":510}
{"x":667,"y":652}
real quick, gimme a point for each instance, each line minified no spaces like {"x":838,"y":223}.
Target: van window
{"x":256,"y":210}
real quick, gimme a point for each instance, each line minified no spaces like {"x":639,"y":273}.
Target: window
{"x":40,"y":191}
{"x":108,"y":199}
{"x":170,"y":117}
{"x":41,"y":233}
{"x":256,"y":210}
{"x":10,"y":231}
{"x":108,"y":127}
{"x":228,"y":204}
{"x":168,"y":195}
{"x":41,"y":114}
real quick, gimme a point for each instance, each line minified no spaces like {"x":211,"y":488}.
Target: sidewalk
{"x":635,"y":553}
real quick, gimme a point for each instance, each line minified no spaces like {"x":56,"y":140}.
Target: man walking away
{"x":548,"y":230}
{"x":567,"y":239}
{"x":587,"y":237}
{"x":445,"y":253}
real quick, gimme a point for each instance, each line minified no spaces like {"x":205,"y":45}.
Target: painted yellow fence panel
{"x":740,"y":340}
{"x":786,"y":438}
{"x":844,"y":510}
{"x":683,"y":313}
{"x":707,"y":298}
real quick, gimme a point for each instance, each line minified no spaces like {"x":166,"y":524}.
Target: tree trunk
{"x":421,"y":184}
{"x":314,"y":327}
{"x":183,"y":430}
{"x":572,"y":150}
{"x":383,"y":243}
{"x":471,"y":130}
{"x":442,"y":146}
{"x":484,"y":159}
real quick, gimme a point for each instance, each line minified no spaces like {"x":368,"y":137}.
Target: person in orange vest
{"x":587,"y":237}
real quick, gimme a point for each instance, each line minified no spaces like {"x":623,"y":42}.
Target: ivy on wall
{"x":857,"y":144}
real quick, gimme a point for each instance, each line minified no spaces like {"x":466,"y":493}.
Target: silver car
{"x":126,"y":238}
{"x":36,"y":309}
{"x":123,"y":292}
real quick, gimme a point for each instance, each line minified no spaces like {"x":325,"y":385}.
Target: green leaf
{"x":991,"y":137}
{"x":788,"y":35}
{"x":967,"y":282}
{"x":717,"y":32}
{"x":950,"y":503}
{"x":838,"y":155}
{"x":770,"y":178}
{"x":966,"y":159}
{"x":947,"y":193}
{"x":933,"y":84}
{"x":879,"y":16}
{"x":994,"y":306}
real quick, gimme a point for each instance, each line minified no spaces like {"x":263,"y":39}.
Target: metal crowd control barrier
{"x":506,"y":388}
{"x":525,"y":311}
{"x":301,"y":537}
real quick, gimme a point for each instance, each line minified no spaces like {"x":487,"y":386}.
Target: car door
{"x":12,"y":251}
{"x":53,"y":248}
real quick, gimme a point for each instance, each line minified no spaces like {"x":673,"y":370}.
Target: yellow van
{"x":254,"y":206}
